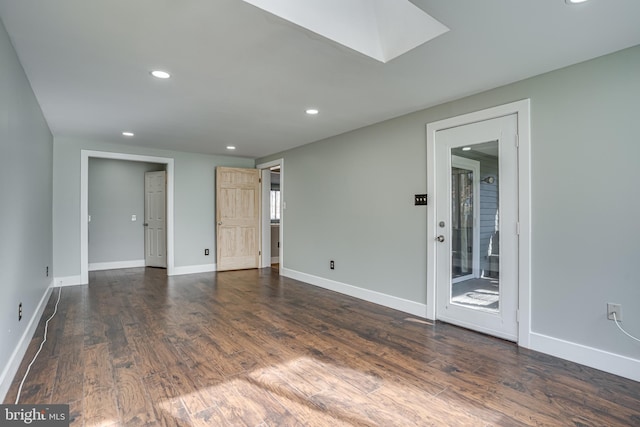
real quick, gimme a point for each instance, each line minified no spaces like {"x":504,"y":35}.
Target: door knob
{"x":440,"y":238}
{"x":146,"y":224}
{"x":219,"y":222}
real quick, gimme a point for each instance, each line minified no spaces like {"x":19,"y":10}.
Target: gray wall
{"x":25,"y":207}
{"x":194,"y":201}
{"x":351,"y":196}
{"x":116,"y":191}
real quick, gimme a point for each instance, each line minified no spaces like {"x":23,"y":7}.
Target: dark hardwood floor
{"x":249,"y":348}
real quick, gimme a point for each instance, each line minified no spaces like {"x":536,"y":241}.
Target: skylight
{"x":380,"y":29}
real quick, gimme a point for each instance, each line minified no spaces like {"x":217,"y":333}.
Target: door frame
{"x":84,"y":204}
{"x":522,"y":109}
{"x":265,"y":215}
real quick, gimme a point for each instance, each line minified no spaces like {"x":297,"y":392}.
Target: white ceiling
{"x":243,"y":77}
{"x":380,"y":29}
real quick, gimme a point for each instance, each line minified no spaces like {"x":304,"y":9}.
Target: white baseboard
{"x":605,"y":361}
{"x":193,"y":269}
{"x":275,"y":260}
{"x":68,"y":281}
{"x":96,"y":266}
{"x":599,"y":359}
{"x":6,"y":378}
{"x":411,"y":307}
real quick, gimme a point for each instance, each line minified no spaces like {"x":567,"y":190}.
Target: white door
{"x":155,"y":222}
{"x":476,"y":226}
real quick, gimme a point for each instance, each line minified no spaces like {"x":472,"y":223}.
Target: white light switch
{"x":89,"y":218}
{"x":133,"y":218}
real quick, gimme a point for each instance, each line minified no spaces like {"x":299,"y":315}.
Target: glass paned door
{"x":464,"y":218}
{"x":461,"y":222}
{"x":474,"y":205}
{"x":476,"y":256}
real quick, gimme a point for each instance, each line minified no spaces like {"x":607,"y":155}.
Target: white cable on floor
{"x":620,"y":327}
{"x":46,"y":328}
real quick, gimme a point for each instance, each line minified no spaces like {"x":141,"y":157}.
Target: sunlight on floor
{"x":103,"y":423}
{"x":315,"y":393}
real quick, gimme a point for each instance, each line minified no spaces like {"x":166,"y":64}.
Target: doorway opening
{"x":168,"y":164}
{"x":275,"y":213}
{"x":119,"y":214}
{"x":272,"y":214}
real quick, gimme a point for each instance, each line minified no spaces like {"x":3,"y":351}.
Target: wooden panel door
{"x":155,"y":219}
{"x":237,"y":218}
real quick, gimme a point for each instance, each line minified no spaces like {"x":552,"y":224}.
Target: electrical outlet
{"x":206,"y":252}
{"x":19,"y":312}
{"x":614,"y":308}
{"x":332,"y":265}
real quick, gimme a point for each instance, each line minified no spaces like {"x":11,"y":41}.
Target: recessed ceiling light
{"x":574,"y":1}
{"x":127,"y":134}
{"x":231,"y":147}
{"x":312,"y":111}
{"x":466,"y":148}
{"x":159,"y":74}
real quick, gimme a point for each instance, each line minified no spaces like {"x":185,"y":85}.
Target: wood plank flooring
{"x":249,"y":348}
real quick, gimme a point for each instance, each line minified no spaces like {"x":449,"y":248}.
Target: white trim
{"x":84,"y":203}
{"x":68,"y":281}
{"x":96,"y":266}
{"x":411,"y":307}
{"x":6,"y":378}
{"x":283,"y":205}
{"x":522,"y":109}
{"x":599,"y":359}
{"x":265,"y":220}
{"x":524,"y":213}
{"x":193,"y":269}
